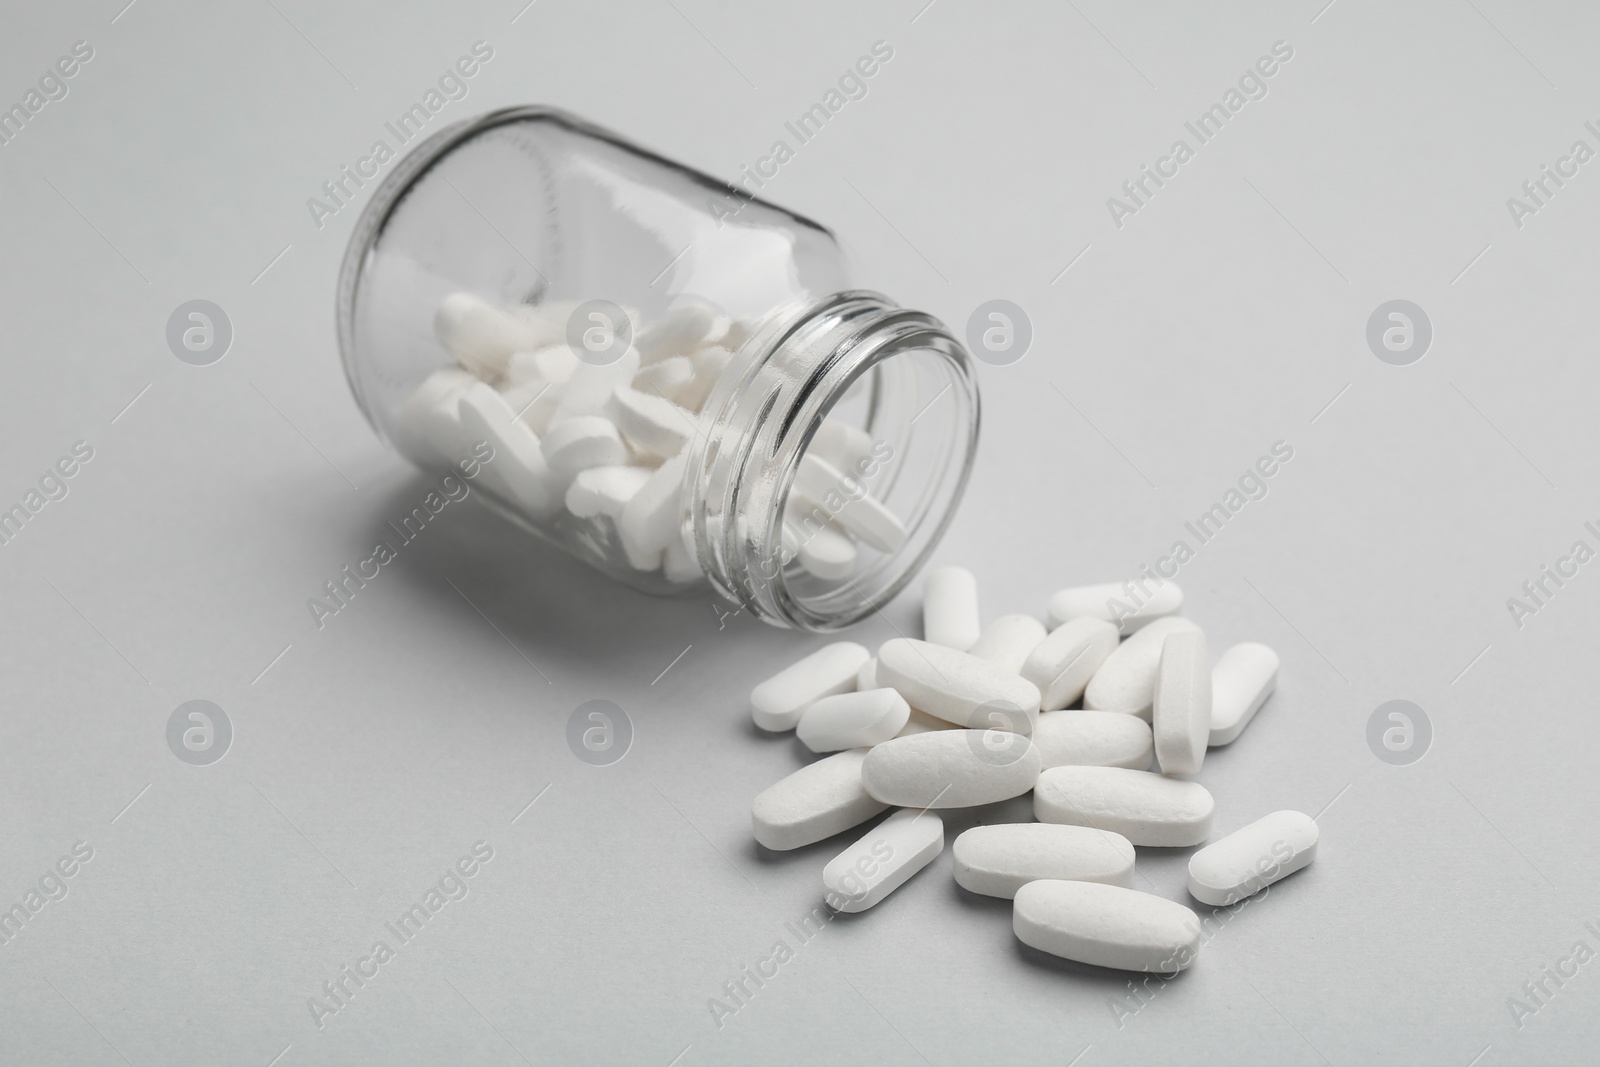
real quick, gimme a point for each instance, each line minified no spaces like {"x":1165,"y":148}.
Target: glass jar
{"x":664,"y":375}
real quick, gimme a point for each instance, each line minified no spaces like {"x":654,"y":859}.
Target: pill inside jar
{"x":662,"y":374}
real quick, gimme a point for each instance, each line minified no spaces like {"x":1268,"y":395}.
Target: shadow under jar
{"x":668,"y":378}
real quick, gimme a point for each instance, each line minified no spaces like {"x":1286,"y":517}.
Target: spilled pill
{"x":1130,"y":606}
{"x":852,"y":720}
{"x":777,"y":703}
{"x":998,"y":860}
{"x":1146,"y":808}
{"x":883,"y":860}
{"x":1181,"y":703}
{"x":921,"y":722}
{"x":1252,"y":858}
{"x":951,"y":768}
{"x":1106,"y":926}
{"x":958,"y":687}
{"x":1006,"y":641}
{"x":1240,"y":682}
{"x":950,"y":608}
{"x":1093,"y":739}
{"x":1126,"y":681}
{"x":1062,"y":664}
{"x":817,"y":801}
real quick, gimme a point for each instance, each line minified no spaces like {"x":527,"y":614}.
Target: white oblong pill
{"x":427,"y":427}
{"x":951,"y":768}
{"x":958,"y":687}
{"x":1181,"y":703}
{"x":1252,"y":858}
{"x":1146,"y":808}
{"x":950,"y":608}
{"x":827,"y":552}
{"x":652,"y":424}
{"x":654,"y":517}
{"x":852,"y":720}
{"x":668,"y":379}
{"x":1240,"y":682}
{"x":551,"y":364}
{"x":841,"y":444}
{"x":591,"y":385}
{"x":1000,"y":859}
{"x":1006,"y":641}
{"x":518,"y":467}
{"x":1062,"y":664}
{"x":849,"y":504}
{"x":583,"y":442}
{"x":481,"y":336}
{"x":921,"y":722}
{"x":817,"y":801}
{"x":777,"y":703}
{"x":688,"y":326}
{"x":708,"y":364}
{"x":605,"y":490}
{"x":1130,"y":606}
{"x":867,"y":677}
{"x":1106,"y":926}
{"x":883,"y":860}
{"x":534,"y":402}
{"x":680,"y":562}
{"x":1126,"y":681}
{"x":1093,"y":739}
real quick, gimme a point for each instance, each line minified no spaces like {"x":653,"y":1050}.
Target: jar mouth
{"x":904,"y":384}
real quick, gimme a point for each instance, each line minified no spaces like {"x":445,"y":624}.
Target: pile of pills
{"x":973,"y":715}
{"x":596,"y":433}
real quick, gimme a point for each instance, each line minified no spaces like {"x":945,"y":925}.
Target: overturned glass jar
{"x":668,"y":378}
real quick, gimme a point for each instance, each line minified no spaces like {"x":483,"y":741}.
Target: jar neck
{"x":764,"y":414}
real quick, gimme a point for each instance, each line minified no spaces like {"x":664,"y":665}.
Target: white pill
{"x":481,"y":336}
{"x":777,"y":703}
{"x":552,"y":364}
{"x":1146,"y":808}
{"x":1106,"y":926}
{"x":1126,"y":681}
{"x":1181,"y":703}
{"x":709,"y":365}
{"x":654,"y":516}
{"x":605,"y":490}
{"x":883,"y":860}
{"x":518,"y":466}
{"x":951,"y":768}
{"x":1131,"y":605}
{"x":958,"y":687}
{"x":426,"y":427}
{"x":921,"y":722}
{"x":999,"y":860}
{"x":591,"y":385}
{"x":1240,"y":682}
{"x":852,"y":720}
{"x":817,"y":801}
{"x":848,"y":503}
{"x":1252,"y":858}
{"x":583,"y":442}
{"x":1062,"y":664}
{"x":691,"y":325}
{"x":1006,"y":641}
{"x":950,"y":608}
{"x":822,"y":548}
{"x":841,"y":444}
{"x":680,"y":562}
{"x":1093,"y":739}
{"x":666,"y":379}
{"x":867,"y":677}
{"x":652,"y":424}
{"x":534,"y":402}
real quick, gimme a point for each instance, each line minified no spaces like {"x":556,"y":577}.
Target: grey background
{"x":1226,"y":315}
